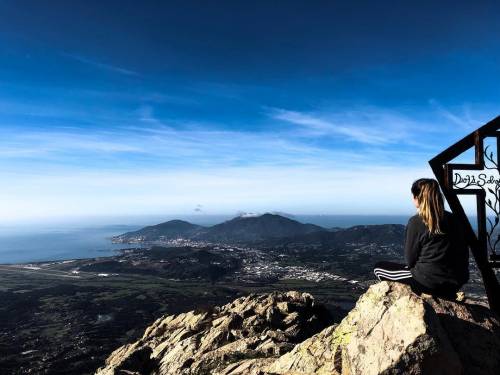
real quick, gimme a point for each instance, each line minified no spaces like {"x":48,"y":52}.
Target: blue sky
{"x":157,"y":107}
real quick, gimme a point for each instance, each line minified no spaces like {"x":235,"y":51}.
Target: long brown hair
{"x":430,"y":203}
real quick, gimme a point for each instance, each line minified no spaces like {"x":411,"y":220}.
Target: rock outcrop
{"x":239,"y":337}
{"x":391,"y":330}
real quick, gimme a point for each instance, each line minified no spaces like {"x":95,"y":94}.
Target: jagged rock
{"x":391,"y":330}
{"x":239,"y":338}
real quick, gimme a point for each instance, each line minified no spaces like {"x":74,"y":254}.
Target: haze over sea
{"x":83,"y":239}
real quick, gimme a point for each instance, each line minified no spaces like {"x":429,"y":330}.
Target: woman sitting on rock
{"x":436,"y":253}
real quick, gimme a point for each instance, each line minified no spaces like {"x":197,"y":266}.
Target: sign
{"x":480,"y":178}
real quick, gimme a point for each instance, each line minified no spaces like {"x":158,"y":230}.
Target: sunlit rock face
{"x":391,"y":330}
{"x":239,"y":337}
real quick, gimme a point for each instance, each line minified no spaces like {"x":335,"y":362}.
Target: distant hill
{"x":169,"y":230}
{"x":383,"y":234}
{"x":256,"y":228}
{"x":237,"y":230}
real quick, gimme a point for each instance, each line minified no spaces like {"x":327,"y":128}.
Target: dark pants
{"x":401,"y":273}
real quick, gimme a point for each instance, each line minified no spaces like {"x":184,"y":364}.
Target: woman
{"x":436,"y":253}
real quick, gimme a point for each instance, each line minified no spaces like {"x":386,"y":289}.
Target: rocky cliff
{"x":391,"y":330}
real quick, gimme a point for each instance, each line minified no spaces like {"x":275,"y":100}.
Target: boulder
{"x":391,"y":330}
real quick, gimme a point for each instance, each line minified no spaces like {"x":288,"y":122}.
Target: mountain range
{"x":266,"y":229}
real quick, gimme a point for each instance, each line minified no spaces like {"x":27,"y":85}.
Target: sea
{"x":76,"y":239}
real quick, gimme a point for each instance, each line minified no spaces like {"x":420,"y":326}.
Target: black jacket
{"x":437,"y":261}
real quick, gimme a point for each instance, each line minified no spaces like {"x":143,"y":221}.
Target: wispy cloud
{"x":155,"y":165}
{"x":464,"y":121}
{"x":364,"y":127}
{"x":165,"y":142}
{"x":100,"y":65}
{"x":161,"y":145}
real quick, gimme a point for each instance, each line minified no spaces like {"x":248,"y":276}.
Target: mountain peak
{"x":257,"y":228}
{"x":177,"y":221}
{"x":169,"y":229}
